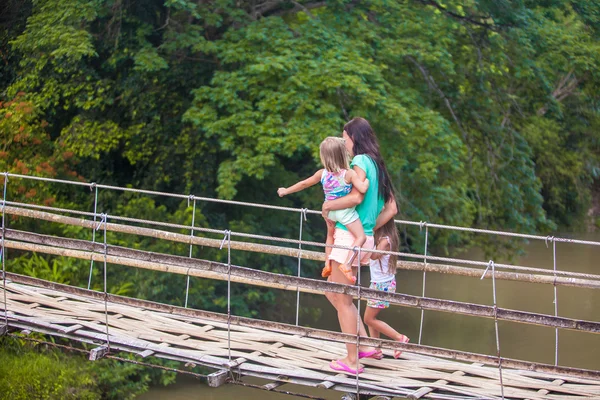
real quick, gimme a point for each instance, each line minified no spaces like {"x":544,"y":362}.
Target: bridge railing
{"x":102,"y":252}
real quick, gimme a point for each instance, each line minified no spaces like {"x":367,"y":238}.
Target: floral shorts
{"x":389,"y":286}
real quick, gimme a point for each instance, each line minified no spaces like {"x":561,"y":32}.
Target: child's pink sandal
{"x":403,"y":339}
{"x":347,"y":271}
{"x":326,"y":269}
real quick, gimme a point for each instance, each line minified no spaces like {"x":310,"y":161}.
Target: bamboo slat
{"x":275,"y":355}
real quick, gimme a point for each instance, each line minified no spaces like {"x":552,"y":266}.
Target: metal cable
{"x":491,"y":264}
{"x":156,"y":193}
{"x":187,"y":285}
{"x":499,"y":233}
{"x":169,"y":369}
{"x":302,"y":217}
{"x":318,"y":244}
{"x":104,"y":218}
{"x":227,"y":237}
{"x":357,"y":251}
{"x":267,"y":206}
{"x":93,"y":233}
{"x":555,"y":303}
{"x":424,"y":276}
{"x":3,"y":251}
{"x":76,"y":349}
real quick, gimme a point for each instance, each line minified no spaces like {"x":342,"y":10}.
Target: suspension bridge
{"x":236,"y":347}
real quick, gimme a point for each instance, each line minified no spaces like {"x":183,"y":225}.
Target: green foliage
{"x":60,"y":269}
{"x":27,"y":374}
{"x":121,"y":380}
{"x":487,"y":113}
{"x":29,"y":370}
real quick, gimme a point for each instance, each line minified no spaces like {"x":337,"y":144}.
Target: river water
{"x":473,"y":334}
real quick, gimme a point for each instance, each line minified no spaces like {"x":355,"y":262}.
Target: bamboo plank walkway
{"x":279,"y":356}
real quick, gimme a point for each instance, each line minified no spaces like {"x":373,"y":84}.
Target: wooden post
{"x":3,"y":329}
{"x":145,"y":353}
{"x":218,"y":378}
{"x":273,"y":385}
{"x":98,"y":352}
{"x":352,"y":396}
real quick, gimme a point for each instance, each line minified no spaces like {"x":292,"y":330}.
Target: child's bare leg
{"x":329,"y":241}
{"x":370,"y":316}
{"x":356,"y":229}
{"x":377,"y":325}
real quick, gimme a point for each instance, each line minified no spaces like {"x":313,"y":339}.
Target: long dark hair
{"x":389,"y":229}
{"x":365,"y":142}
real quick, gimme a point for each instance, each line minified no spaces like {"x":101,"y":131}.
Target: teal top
{"x":372,"y":203}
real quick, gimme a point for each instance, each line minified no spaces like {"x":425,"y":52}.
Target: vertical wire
{"x":555,"y":303}
{"x":3,"y":250}
{"x":358,"y":324}
{"x":105,"y":218}
{"x":228,"y":234}
{"x":93,"y":233}
{"x":424,"y":277}
{"x":302,"y":217}
{"x":496,"y":326}
{"x":187,"y":285}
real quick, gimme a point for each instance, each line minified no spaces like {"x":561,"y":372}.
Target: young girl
{"x":383,"y":277}
{"x":337,"y":179}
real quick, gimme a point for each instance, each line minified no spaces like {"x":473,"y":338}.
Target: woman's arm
{"x":390,"y":209}
{"x":308,"y":182}
{"x":382,"y":245}
{"x":352,"y":199}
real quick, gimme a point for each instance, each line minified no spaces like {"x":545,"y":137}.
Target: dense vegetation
{"x":487,"y":112}
{"x":30,"y":370}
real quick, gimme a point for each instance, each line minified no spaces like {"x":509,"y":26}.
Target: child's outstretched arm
{"x":308,"y":182}
{"x":352,"y":177}
{"x":383,"y":245}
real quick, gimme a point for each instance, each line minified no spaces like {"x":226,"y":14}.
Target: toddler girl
{"x":337,"y":179}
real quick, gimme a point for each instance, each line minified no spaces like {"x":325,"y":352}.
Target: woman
{"x":375,"y":207}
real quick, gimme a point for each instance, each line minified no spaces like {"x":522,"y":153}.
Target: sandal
{"x":403,"y":339}
{"x":337,"y":365}
{"x":347,"y":271}
{"x":376,"y":354}
{"x":326,"y":269}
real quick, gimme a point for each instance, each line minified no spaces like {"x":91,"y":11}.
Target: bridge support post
{"x":353,"y":396}
{"x":3,"y":329}
{"x":98,"y":352}
{"x":218,"y":378}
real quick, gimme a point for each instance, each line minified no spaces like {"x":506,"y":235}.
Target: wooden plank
{"x":287,"y":355}
{"x":98,"y":352}
{"x":269,"y":249}
{"x":218,"y":378}
{"x":557,"y":382}
{"x":145,"y":353}
{"x":219,"y":271}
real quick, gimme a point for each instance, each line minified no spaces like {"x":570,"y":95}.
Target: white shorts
{"x":345,"y":238}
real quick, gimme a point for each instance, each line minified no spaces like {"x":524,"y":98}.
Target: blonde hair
{"x":389,"y":229}
{"x":334,"y":155}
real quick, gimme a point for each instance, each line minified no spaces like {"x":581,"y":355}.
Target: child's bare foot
{"x":402,"y":339}
{"x":347,"y":271}
{"x":326,"y":269}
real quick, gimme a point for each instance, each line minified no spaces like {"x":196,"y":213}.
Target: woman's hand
{"x":282,"y":191}
{"x":329,"y":223}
